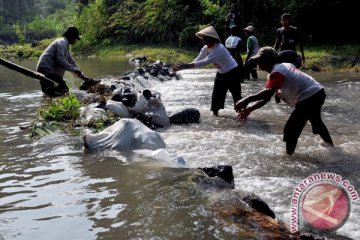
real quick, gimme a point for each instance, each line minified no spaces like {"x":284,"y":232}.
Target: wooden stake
{"x":26,"y":72}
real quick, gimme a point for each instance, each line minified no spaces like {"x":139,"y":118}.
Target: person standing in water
{"x":288,"y":37}
{"x":228,"y":76}
{"x":55,"y":60}
{"x":252,"y":47}
{"x":232,"y":18}
{"x":233,"y":45}
{"x":293,"y":87}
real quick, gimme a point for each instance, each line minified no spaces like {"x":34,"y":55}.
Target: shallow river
{"x":51,"y":189}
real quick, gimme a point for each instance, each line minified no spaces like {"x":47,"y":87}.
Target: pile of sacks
{"x":141,"y":110}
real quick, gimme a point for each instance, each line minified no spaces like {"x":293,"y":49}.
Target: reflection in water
{"x":52,"y":189}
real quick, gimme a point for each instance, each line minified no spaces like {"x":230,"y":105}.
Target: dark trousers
{"x":223,"y":82}
{"x":49,"y":89}
{"x":250,"y":68}
{"x":306,"y":110}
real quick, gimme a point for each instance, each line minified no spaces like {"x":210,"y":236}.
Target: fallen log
{"x":26,"y":72}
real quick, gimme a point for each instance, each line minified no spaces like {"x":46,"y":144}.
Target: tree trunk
{"x":17,"y":10}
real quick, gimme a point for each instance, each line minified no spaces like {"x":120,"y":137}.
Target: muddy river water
{"x":52,"y":189}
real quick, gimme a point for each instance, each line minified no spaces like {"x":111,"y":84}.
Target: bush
{"x":187,"y":36}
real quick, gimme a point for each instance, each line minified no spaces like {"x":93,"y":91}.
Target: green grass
{"x":24,"y":50}
{"x":331,"y":58}
{"x":318,"y":58}
{"x":167,"y":54}
{"x":61,"y":109}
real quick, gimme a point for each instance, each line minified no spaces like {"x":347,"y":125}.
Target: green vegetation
{"x":173,"y":21}
{"x":42,"y":129}
{"x":331,"y":58}
{"x":164,"y":29}
{"x":318,"y":58}
{"x":61,"y":113}
{"x":62,"y":109}
{"x":102,"y":123}
{"x":168,"y":54}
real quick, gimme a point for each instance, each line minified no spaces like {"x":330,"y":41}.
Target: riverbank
{"x":318,"y":58}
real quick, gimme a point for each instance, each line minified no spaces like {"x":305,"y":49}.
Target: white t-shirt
{"x":293,"y":85}
{"x":219,"y":56}
{"x":232,"y":42}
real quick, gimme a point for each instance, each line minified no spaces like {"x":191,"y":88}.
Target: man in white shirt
{"x":294,"y":87}
{"x":55,"y":60}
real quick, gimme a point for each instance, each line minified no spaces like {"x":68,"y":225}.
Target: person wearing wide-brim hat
{"x":228,"y":76}
{"x":55,"y":60}
{"x":293,"y":87}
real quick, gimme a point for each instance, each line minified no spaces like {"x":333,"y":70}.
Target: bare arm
{"x":182,"y":66}
{"x":277,"y":43}
{"x":260,"y":99}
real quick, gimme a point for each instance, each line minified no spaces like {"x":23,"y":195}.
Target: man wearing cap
{"x":228,"y":76}
{"x":55,"y":60}
{"x":293,"y":87}
{"x":252,"y":47}
{"x":288,"y":37}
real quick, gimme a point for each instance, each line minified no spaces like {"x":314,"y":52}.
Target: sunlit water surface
{"x":51,"y":189}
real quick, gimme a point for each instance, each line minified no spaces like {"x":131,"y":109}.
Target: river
{"x":51,"y":189}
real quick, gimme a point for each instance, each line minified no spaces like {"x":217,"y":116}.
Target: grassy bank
{"x":167,"y":54}
{"x":318,"y":58}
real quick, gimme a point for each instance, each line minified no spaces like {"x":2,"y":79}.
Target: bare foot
{"x":326,"y":144}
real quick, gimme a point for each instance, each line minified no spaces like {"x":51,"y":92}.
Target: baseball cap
{"x":267,"y":52}
{"x":72,"y":31}
{"x":249,"y":28}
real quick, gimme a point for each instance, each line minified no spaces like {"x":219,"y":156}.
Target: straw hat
{"x":208,"y":32}
{"x":267,"y":52}
{"x":249,"y":29}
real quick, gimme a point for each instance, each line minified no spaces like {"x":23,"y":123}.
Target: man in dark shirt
{"x":55,"y":60}
{"x":287,"y":37}
{"x":232,"y":18}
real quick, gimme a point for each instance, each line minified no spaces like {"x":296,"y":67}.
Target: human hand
{"x":78,"y":73}
{"x":178,"y":67}
{"x":243,"y":114}
{"x":241,"y":105}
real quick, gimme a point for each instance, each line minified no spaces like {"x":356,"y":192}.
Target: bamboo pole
{"x":25,"y":71}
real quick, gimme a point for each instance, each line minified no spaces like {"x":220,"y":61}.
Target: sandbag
{"x":126,"y":134}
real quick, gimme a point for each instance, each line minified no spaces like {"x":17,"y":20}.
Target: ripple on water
{"x":52,"y":182}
